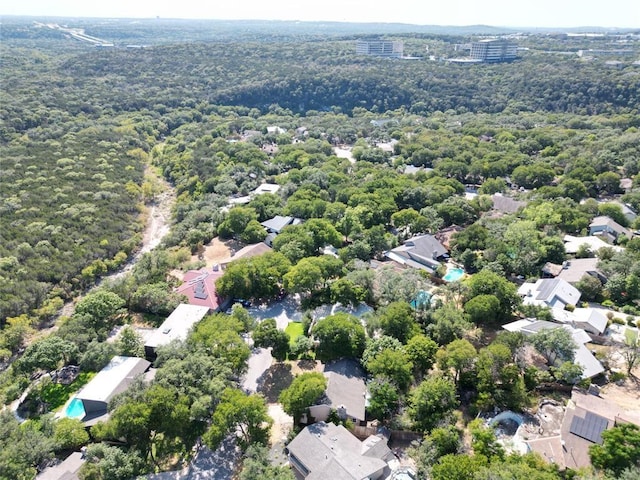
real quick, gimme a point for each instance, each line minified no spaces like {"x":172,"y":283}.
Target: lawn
{"x":55,"y":394}
{"x":294,"y":330}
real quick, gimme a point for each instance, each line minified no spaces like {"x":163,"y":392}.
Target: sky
{"x":504,"y":13}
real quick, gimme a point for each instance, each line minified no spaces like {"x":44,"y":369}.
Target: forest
{"x":86,"y":131}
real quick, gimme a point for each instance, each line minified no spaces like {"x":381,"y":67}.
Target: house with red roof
{"x":199,"y":286}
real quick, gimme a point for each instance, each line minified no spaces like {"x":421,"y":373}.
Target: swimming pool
{"x":75,"y":409}
{"x":454,"y":275}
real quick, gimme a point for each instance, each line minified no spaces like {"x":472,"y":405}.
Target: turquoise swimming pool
{"x":454,"y":275}
{"x":75,"y":409}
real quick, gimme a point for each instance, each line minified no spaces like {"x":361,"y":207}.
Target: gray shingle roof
{"x":328,"y":451}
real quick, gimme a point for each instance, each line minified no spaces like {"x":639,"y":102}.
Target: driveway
{"x":259,"y":361}
{"x":284,"y":311}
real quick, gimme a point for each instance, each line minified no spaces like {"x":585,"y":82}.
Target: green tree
{"x":440,"y":442}
{"x":239,"y":413}
{"x":620,"y":449}
{"x":130,"y":343}
{"x":431,"y":402}
{"x":100,"y":305}
{"x":447,"y":323}
{"x":69,"y":433}
{"x":267,"y":335}
{"x":97,"y":356}
{"x":220,"y":335}
{"x":253,"y":233}
{"x":47,"y":354}
{"x":554,"y":344}
{"x":105,"y":462}
{"x":257,"y":464}
{"x":384,"y":398}
{"x":237,"y":221}
{"x":421,"y":351}
{"x":394,"y":365}
{"x":590,"y":288}
{"x":397,"y":320}
{"x":483,"y":309}
{"x":339,"y":335}
{"x":458,"y":355}
{"x":457,"y":467}
{"x":486,"y":282}
{"x":305,"y":389}
{"x":484,"y":441}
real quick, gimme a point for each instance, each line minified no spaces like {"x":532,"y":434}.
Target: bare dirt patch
{"x":625,"y":393}
{"x":216,"y":250}
{"x":304,"y":366}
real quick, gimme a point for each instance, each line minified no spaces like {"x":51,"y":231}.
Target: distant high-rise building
{"x":493,"y":50}
{"x":379,"y":48}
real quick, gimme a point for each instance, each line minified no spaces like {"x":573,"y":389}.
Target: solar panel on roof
{"x":590,"y":427}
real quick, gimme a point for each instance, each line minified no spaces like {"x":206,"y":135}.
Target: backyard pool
{"x":454,"y":275}
{"x":75,"y":409}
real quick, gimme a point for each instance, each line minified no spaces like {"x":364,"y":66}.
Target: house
{"x":506,"y":205}
{"x":175,"y":327}
{"x":423,"y":252}
{"x":249,"y":251}
{"x":549,"y":292}
{"x":265,"y":188}
{"x":199,"y":286}
{"x":275,"y":130}
{"x":276,"y":224}
{"x":113,"y":379}
{"x":583,"y":357}
{"x":586,"y":417}
{"x":608,"y":228}
{"x":591,"y":320}
{"x":573,"y":270}
{"x":346,"y":392}
{"x":627,"y":211}
{"x":328,"y":451}
{"x":66,"y":470}
{"x":572,"y":244}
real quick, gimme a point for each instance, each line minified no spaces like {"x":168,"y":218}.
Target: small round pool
{"x":75,"y":409}
{"x":453,"y":275}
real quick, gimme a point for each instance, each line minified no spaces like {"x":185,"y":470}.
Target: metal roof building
{"x":113,"y":379}
{"x":175,"y":327}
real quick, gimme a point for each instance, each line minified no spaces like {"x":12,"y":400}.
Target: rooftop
{"x":419,"y":252}
{"x":331,"y":452}
{"x":199,"y":286}
{"x":572,"y":244}
{"x":113,"y":379}
{"x":573,"y":270}
{"x":177,"y":325}
{"x":552,"y":292}
{"x":66,"y":470}
{"x":583,"y":356}
{"x":277,"y":223}
{"x":346,"y":387}
{"x":506,"y":204}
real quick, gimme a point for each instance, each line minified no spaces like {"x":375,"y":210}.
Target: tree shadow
{"x":307,"y":364}
{"x":275,"y":379}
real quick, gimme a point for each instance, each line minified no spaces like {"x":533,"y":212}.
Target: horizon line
{"x":579,"y":27}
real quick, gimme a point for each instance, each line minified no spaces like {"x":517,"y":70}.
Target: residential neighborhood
{"x":240,"y":250}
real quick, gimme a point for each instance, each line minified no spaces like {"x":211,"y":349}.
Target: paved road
{"x":259,"y":361}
